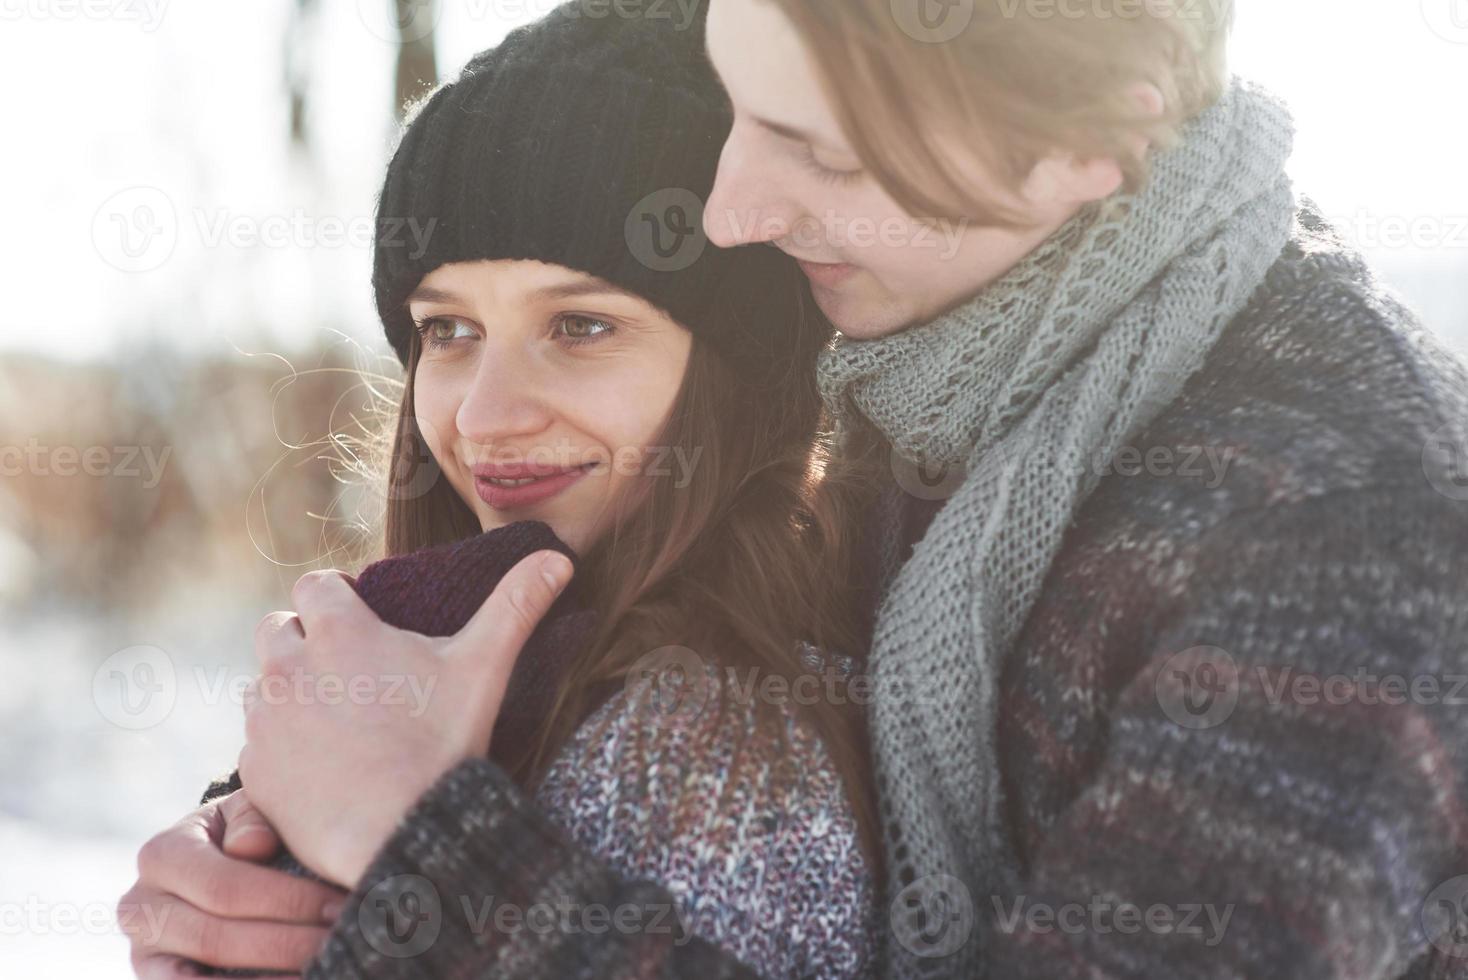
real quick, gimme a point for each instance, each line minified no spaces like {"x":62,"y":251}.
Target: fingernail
{"x":332,"y":909}
{"x":556,"y":569}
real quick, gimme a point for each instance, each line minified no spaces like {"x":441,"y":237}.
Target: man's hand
{"x":341,"y":738}
{"x":201,"y":895}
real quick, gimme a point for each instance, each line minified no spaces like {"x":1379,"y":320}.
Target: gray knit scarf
{"x":1026,"y":388}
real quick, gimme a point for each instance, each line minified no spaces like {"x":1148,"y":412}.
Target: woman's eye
{"x":440,"y":331}
{"x":576,"y":329}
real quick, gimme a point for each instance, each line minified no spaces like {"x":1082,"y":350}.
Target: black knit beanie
{"x":588,"y":140}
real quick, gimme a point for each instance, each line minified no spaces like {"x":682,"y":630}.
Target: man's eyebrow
{"x":792,"y":133}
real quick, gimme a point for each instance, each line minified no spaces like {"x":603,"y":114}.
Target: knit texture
{"x":716,"y":841}
{"x":745,"y":828}
{"x":1051,"y":369}
{"x":1335,"y":538}
{"x":589,"y":142}
{"x":436,"y":591}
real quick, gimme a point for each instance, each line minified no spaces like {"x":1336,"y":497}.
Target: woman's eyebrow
{"x":567,"y":290}
{"x":428,"y":294}
{"x":583,"y":287}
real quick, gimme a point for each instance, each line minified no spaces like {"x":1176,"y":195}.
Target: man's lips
{"x":508,"y":486}
{"x":827,"y":274}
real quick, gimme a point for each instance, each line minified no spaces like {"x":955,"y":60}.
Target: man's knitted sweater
{"x":1235,"y":707}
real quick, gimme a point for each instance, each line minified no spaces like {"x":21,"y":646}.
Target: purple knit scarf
{"x":437,"y":590}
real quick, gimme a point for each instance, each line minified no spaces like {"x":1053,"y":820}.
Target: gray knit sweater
{"x":1209,"y":765}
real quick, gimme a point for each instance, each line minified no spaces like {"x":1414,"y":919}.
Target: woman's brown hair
{"x":744,"y":558}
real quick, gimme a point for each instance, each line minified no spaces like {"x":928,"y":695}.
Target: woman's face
{"x":541,"y":391}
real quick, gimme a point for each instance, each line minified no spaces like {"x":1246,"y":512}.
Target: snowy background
{"x":175,"y":117}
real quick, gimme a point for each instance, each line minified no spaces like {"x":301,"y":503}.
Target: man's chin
{"x":860,"y":318}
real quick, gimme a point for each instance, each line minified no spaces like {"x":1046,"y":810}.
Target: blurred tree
{"x":417,"y":69}
{"x":297,"y":71}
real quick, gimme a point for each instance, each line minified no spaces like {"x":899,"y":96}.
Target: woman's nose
{"x":504,"y":402}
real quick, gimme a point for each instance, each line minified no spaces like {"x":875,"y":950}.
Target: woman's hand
{"x":202,"y":896}
{"x":352,"y":720}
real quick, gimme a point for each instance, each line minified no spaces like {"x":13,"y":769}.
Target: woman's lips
{"x":512,"y":486}
{"x":827,"y":274}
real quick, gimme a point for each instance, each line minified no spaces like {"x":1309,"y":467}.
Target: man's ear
{"x":1066,"y":181}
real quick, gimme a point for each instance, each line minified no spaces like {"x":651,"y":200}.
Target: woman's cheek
{"x":435,"y":408}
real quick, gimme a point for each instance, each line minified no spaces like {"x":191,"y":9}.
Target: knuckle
{"x":246,"y":764}
{"x":305,"y":584}
{"x":216,"y":892}
{"x":152,"y":855}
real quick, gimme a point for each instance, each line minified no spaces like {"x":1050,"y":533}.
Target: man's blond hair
{"x":1010,"y":80}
